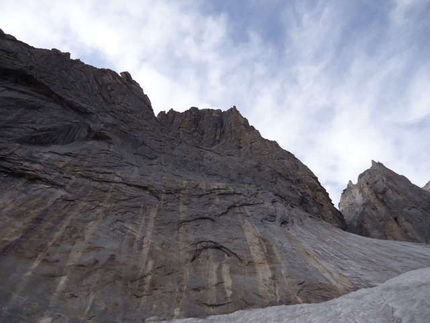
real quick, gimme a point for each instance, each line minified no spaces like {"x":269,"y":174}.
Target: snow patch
{"x":405,"y":299}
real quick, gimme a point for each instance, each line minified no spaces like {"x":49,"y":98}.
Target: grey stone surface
{"x":386,"y":205}
{"x":427,"y":186}
{"x":110,"y":214}
{"x":403,"y":299}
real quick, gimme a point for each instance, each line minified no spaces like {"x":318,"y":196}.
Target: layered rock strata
{"x":110,"y":214}
{"x":385,"y":205}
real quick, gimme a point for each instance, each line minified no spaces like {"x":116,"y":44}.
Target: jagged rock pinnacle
{"x":386,"y":205}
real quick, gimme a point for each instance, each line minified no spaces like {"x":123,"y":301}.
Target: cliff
{"x":386,"y":205}
{"x":111,"y":214}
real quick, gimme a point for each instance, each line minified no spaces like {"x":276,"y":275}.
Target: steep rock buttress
{"x":386,"y":205}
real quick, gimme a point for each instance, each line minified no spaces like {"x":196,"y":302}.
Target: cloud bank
{"x":337,"y":83}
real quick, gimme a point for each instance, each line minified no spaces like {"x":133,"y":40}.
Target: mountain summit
{"x":111,"y":214}
{"x":386,"y":205}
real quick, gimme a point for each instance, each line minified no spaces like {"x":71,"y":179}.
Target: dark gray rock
{"x":230,"y":141}
{"x":385,"y":205}
{"x":110,"y":214}
{"x":427,"y":187}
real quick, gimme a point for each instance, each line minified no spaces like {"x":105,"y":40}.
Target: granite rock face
{"x":111,"y":214}
{"x":427,"y":187}
{"x":385,"y":205}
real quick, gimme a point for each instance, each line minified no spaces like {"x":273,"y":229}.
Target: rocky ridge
{"x":112,"y":214}
{"x":385,"y":205}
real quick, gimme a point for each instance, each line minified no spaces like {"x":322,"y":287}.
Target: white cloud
{"x":337,"y":87}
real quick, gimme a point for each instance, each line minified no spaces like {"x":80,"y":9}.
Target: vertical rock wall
{"x":110,"y":214}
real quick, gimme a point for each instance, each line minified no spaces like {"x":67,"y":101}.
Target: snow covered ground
{"x":403,"y":299}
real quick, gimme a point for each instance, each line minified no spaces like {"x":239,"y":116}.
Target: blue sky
{"x":338,"y":83}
